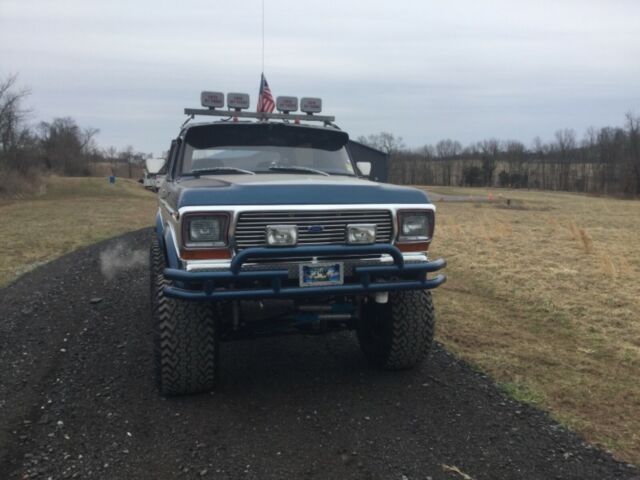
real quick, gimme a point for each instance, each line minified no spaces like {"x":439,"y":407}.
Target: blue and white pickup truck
{"x":266,"y":226}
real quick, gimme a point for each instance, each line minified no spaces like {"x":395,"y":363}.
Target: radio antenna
{"x":262,"y":36}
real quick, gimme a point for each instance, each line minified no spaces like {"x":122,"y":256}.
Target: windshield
{"x":264,"y":147}
{"x":265,"y":159}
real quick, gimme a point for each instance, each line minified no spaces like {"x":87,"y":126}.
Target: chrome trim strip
{"x":174,"y":214}
{"x":209,"y":265}
{"x":172,"y":231}
{"x":321,"y":207}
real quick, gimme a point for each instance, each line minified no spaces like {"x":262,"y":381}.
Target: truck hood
{"x":288,"y":189}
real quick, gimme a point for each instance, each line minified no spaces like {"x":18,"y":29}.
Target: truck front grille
{"x":328,"y":227}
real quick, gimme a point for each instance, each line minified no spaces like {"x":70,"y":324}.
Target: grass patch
{"x":555,"y":294}
{"x":66,"y":214}
{"x":522,"y":393}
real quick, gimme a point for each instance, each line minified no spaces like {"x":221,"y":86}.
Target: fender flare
{"x":167,"y":243}
{"x":160,"y":229}
{"x":170,"y":249}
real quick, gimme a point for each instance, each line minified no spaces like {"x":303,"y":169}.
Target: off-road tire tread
{"x":405,"y":330}
{"x":185,"y":334}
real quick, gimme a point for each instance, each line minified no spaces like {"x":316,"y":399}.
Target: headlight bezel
{"x":223,"y":218}
{"x":402,"y":215}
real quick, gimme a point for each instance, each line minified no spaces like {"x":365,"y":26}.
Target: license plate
{"x":317,"y":274}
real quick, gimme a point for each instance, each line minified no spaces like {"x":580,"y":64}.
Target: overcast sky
{"x":425,"y":70}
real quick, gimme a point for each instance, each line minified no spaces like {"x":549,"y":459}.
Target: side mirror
{"x":364,"y":168}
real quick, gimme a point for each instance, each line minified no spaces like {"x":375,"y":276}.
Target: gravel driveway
{"x":77,"y":399}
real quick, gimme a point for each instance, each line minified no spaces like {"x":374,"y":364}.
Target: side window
{"x":171,"y":159}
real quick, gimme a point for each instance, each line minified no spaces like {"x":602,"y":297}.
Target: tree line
{"x":604,"y":161}
{"x":60,"y":146}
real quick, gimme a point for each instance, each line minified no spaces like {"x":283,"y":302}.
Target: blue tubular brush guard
{"x":219,"y":285}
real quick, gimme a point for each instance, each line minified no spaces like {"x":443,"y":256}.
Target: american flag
{"x":265,"y":99}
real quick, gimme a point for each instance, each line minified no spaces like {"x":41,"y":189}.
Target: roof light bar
{"x":287,"y":104}
{"x":212,"y":99}
{"x":239,"y":101}
{"x":328,"y":119}
{"x":311,"y":105}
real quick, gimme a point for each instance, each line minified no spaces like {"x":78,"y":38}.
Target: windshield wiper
{"x":296,"y":168}
{"x":213,"y":170}
{"x":344,"y":174}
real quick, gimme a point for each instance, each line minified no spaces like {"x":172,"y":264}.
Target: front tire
{"x":185,"y":337}
{"x":397,"y":335}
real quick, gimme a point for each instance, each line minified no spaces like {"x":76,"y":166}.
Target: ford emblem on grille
{"x":315,"y":229}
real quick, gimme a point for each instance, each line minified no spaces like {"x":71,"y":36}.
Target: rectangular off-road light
{"x":212,"y":99}
{"x":287,"y":104}
{"x":311,"y":105}
{"x":282,"y":235}
{"x":364,"y":233}
{"x":239,"y":101}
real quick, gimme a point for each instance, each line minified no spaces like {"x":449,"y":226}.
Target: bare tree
{"x":384,"y":141}
{"x":540,"y":150}
{"x":489,"y":150}
{"x":66,"y":147}
{"x":132,"y":159}
{"x":565,"y":143}
{"x":14,"y":135}
{"x":87,"y":137}
{"x":110,"y":154}
{"x":538,"y":146}
{"x":448,"y":148}
{"x":633,"y":133}
{"x":427,"y":151}
{"x":565,"y":140}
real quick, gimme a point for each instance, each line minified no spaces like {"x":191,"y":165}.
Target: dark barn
{"x":379,"y":160}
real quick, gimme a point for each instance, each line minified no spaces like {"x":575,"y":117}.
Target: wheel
{"x":398,"y":334}
{"x":185,"y":337}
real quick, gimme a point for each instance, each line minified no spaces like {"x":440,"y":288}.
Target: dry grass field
{"x":67,"y":214}
{"x":544,"y":294}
